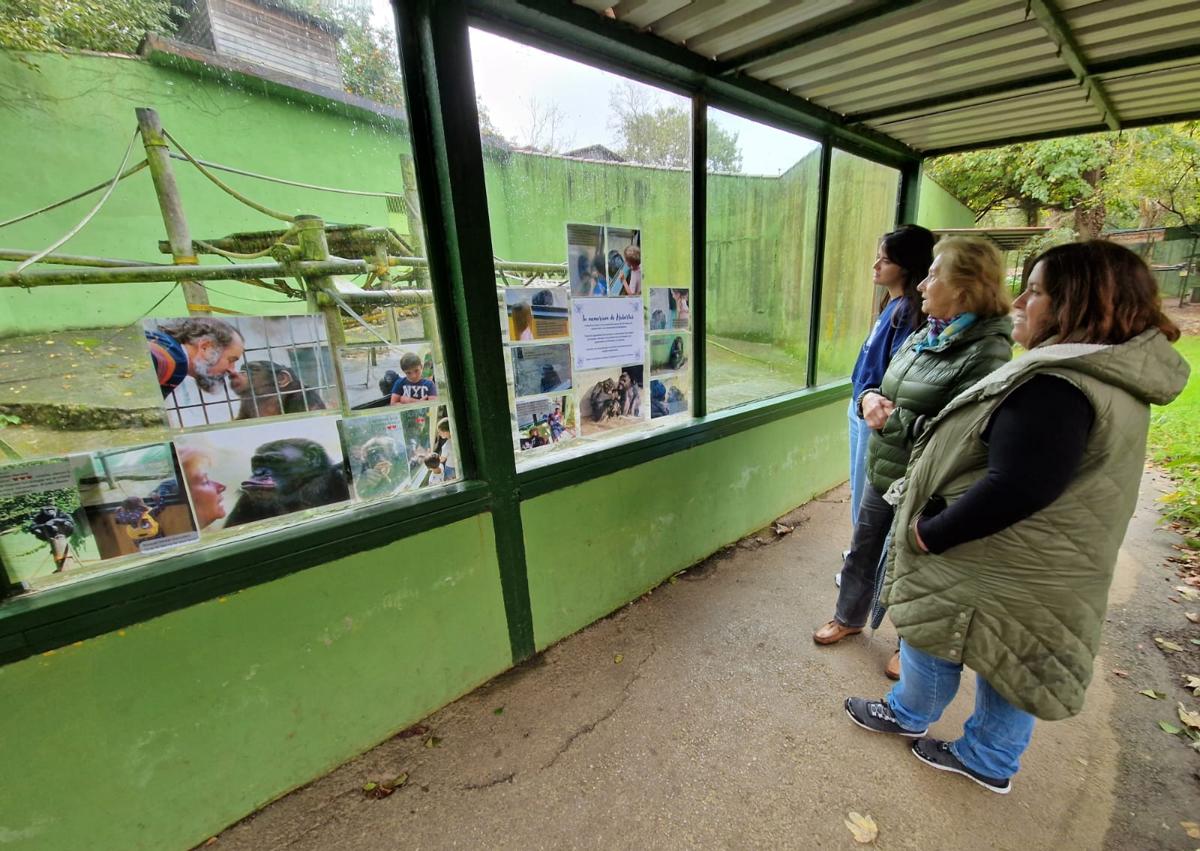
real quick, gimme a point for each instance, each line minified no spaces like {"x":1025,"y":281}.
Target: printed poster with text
{"x":607,"y":332}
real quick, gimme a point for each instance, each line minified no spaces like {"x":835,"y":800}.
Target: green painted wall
{"x":160,"y":735}
{"x":596,"y":546}
{"x":76,"y":117}
{"x":937,"y":208}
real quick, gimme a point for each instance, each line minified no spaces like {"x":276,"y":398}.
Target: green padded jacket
{"x":1024,"y":607}
{"x":921,"y":383}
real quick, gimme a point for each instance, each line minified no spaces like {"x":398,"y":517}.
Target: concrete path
{"x":703,"y":716}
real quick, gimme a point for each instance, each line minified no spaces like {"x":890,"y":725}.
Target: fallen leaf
{"x":377,"y":790}
{"x":1168,"y":727}
{"x":1192,"y":828}
{"x":1120,"y":673}
{"x":782,"y":529}
{"x":1193,"y":682}
{"x":1152,"y":694}
{"x":414,"y":730}
{"x":1187,"y":593}
{"x":619,"y":658}
{"x":499,"y":710}
{"x":1163,"y":644}
{"x":1189,"y":716}
{"x":862,"y":827}
{"x":1195,"y":641}
{"x":1194,"y":617}
{"x":433,"y":742}
{"x":399,"y":780}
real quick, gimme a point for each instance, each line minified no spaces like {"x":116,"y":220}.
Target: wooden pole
{"x":158,"y":157}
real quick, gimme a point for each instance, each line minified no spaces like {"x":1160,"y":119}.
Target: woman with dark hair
{"x":1014,"y":507}
{"x":967,"y":336}
{"x":901,"y":263}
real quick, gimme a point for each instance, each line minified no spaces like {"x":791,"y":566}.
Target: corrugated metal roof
{"x":949,"y":74}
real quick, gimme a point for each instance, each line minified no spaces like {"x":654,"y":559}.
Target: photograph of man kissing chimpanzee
{"x":269,"y":470}
{"x":240,"y":368}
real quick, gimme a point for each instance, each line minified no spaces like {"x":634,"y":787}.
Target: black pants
{"x":860,"y":569}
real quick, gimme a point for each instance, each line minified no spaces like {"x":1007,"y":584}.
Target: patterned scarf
{"x":942,"y":331}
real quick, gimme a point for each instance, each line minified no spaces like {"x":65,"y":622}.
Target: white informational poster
{"x":20,"y":480}
{"x":608,"y":332}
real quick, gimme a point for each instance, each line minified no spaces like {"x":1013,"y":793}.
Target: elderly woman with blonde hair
{"x":967,"y":336}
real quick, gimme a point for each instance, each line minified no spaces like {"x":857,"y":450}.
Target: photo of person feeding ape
{"x":545,"y":422}
{"x":219,"y":370}
{"x":611,"y":399}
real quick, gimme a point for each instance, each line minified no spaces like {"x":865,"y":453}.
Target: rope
{"x":130,"y":171}
{"x":234,"y":255}
{"x":96,"y":209}
{"x":262,"y":208}
{"x":286,"y":182}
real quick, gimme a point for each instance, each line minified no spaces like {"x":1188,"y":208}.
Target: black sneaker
{"x":937,"y":753}
{"x":876,"y":716}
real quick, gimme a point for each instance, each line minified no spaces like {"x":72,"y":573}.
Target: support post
{"x":435,"y":55}
{"x":158,"y":157}
{"x":699,"y":257}
{"x":814,"y":320}
{"x":310,"y":234}
{"x":908,"y":201}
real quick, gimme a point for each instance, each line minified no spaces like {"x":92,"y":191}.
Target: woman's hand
{"x":876,"y":409}
{"x":917,"y":535}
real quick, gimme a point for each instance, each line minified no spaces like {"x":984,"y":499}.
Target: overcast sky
{"x":508,"y":75}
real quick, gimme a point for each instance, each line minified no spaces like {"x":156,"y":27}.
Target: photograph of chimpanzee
{"x":391,"y":452}
{"x":545,"y":422}
{"x":610,"y":399}
{"x":258,"y":472}
{"x":586,"y":265}
{"x":537,"y":313}
{"x":623,"y":253}
{"x":668,"y":395}
{"x":538,"y":370}
{"x":44,"y":530}
{"x":134,"y":499}
{"x":245,"y":367}
{"x":668,"y":352}
{"x":382,"y":376}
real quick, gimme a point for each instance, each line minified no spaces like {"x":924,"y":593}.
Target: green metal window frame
{"x":448,"y":160}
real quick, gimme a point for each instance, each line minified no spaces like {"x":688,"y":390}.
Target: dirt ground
{"x":702,"y":715}
{"x":1186,"y":317}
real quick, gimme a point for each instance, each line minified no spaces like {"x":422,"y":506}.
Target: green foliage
{"x":118,"y":26}
{"x":1174,"y":444}
{"x":368,"y":55}
{"x":653,"y":134}
{"x":16,"y":510}
{"x":1155,"y":177}
{"x":1145,"y":177}
{"x":1059,"y":174}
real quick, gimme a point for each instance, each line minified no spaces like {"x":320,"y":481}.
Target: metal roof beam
{"x":1059,"y":30}
{"x":770,"y":51}
{"x":1132,"y":64}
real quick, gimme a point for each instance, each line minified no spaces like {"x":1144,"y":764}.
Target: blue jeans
{"x":859,"y":432}
{"x":995,"y":735}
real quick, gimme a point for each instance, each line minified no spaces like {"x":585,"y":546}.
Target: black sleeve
{"x":1036,"y":439}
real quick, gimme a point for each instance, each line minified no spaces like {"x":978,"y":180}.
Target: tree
{"x":117,"y":27}
{"x":1155,"y":176}
{"x":545,"y":127}
{"x":368,"y":55}
{"x":1057,"y":174}
{"x":651,"y":133}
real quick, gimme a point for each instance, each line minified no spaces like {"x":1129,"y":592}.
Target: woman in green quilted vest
{"x":1013,"y":509}
{"x":967,"y":335}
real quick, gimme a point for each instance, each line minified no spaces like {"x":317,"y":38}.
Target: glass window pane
{"x":862,"y":208}
{"x":589,"y":194}
{"x":762,"y":206}
{"x":123,"y":403}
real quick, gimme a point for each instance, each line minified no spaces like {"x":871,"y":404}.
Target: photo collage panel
{"x":191,"y":381}
{"x":670,"y":342}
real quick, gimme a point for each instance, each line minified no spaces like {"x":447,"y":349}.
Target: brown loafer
{"x":833,"y":632}
{"x":892,"y":669}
